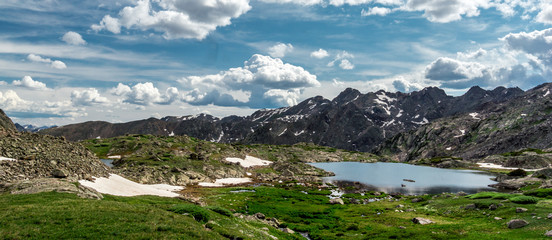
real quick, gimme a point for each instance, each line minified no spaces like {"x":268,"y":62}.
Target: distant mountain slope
{"x":30,"y":128}
{"x":352,"y":120}
{"x":521,"y":123}
{"x":6,"y":123}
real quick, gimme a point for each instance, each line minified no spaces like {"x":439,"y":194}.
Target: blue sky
{"x":65,"y":61}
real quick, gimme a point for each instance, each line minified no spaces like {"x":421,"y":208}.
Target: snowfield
{"x":225,"y":181}
{"x":120,"y":186}
{"x":249,"y":161}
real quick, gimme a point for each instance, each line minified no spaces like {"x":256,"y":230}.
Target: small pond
{"x":394,"y":177}
{"x":108,"y":162}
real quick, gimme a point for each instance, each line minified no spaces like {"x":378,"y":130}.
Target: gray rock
{"x":415,"y":200}
{"x":544,"y":173}
{"x":421,"y":221}
{"x":548,"y":234}
{"x":497,"y":218}
{"x":336,"y":201}
{"x":517,"y":223}
{"x":260,"y":215}
{"x":493,"y":207}
{"x":287,"y":230}
{"x":470,"y":206}
{"x":58,"y":173}
{"x":521,"y":210}
{"x":549,"y":216}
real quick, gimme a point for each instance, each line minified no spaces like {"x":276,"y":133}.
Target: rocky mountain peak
{"x":347,"y":95}
{"x":6,"y":123}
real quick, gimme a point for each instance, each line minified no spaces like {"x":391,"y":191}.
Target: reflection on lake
{"x":390,"y":177}
{"x":108,"y":162}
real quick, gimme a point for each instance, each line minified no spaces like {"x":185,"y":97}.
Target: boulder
{"x":415,"y":200}
{"x":59,"y":173}
{"x":287,"y":230}
{"x":548,"y":234}
{"x":517,"y":223}
{"x":549,"y":216}
{"x":260,"y":215}
{"x":421,"y":221}
{"x":336,"y":201}
{"x":521,"y":210}
{"x":470,"y":206}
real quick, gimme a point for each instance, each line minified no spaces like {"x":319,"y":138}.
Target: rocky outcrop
{"x":6,"y":123}
{"x":421,"y":221}
{"x":352,"y":120}
{"x":39,"y":156}
{"x":517,"y":223}
{"x":39,"y":185}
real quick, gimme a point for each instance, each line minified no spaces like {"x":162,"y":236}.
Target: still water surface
{"x":388,"y":177}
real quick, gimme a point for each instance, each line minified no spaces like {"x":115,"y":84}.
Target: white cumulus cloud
{"x":321,"y":53}
{"x":28,"y":82}
{"x":176,"y":18}
{"x":380,"y":11}
{"x":280,"y":50}
{"x":260,"y":77}
{"x":53,"y":64}
{"x":73,"y":38}
{"x":145,"y":94}
{"x":344,"y":60}
{"x":300,"y":2}
{"x":87,"y":97}
{"x":345,"y":64}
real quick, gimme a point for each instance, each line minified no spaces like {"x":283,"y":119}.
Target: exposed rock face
{"x":6,"y":123}
{"x":352,"y":120}
{"x":517,"y":223}
{"x":40,"y":156}
{"x":421,"y":221}
{"x":336,"y":201}
{"x":39,"y":185}
{"x":519,"y":123}
{"x":544,"y":173}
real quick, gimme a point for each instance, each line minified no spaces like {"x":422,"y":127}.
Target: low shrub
{"x":199,"y":214}
{"x":493,"y":195}
{"x":517,"y":173}
{"x":541,"y":192}
{"x":524,"y":199}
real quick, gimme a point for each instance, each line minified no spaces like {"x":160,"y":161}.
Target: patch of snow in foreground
{"x":120,"y":186}
{"x":6,"y":159}
{"x":225,"y":181}
{"x":496,"y":166}
{"x":249,"y":161}
{"x":114,"y":157}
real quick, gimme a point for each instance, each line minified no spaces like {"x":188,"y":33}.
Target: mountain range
{"x":352,"y":120}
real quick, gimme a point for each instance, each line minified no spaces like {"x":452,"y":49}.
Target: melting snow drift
{"x":120,"y":186}
{"x":225,"y":181}
{"x":249,"y":161}
{"x":6,"y":159}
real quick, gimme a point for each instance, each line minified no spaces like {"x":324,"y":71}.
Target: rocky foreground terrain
{"x":352,"y":120}
{"x":30,"y":156}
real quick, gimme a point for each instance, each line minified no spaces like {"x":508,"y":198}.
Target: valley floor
{"x":262,"y":212}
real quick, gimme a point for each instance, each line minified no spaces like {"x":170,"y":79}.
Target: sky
{"x":66,"y":61}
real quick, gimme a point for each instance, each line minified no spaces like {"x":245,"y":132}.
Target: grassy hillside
{"x":186,"y":160}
